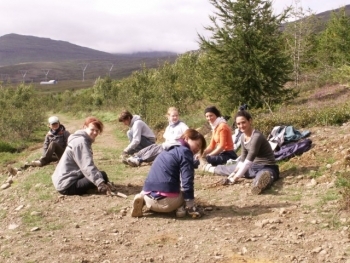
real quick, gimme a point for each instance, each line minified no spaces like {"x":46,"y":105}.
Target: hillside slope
{"x":28,"y":58}
{"x":298,"y":220}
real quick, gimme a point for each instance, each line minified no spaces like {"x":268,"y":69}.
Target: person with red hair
{"x":76,"y":172}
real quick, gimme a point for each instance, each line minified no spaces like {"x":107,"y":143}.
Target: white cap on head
{"x":53,"y":119}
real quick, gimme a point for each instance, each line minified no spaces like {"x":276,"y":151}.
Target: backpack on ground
{"x":293,"y":149}
{"x":276,"y":137}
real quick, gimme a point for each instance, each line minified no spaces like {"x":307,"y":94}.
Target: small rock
{"x":13,"y":226}
{"x":35,"y":229}
{"x":19,"y":207}
{"x":208,"y":208}
{"x":9,"y":179}
{"x":317,"y":250}
{"x":35,"y":213}
{"x":5,"y":186}
{"x":312,"y":183}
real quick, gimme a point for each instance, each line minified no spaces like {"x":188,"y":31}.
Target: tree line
{"x":253,"y":56}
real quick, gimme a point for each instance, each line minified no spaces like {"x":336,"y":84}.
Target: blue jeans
{"x":143,"y":143}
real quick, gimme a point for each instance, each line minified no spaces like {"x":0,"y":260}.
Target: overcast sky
{"x":123,"y":26}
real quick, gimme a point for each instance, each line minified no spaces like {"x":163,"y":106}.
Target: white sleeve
{"x":243,"y":168}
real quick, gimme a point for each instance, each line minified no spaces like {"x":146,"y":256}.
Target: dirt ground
{"x":298,"y":220}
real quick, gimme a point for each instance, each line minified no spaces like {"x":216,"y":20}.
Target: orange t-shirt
{"x":222,"y":136}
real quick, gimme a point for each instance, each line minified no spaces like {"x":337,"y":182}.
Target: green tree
{"x":334,"y":42}
{"x":244,"y":59}
{"x":300,"y":37}
{"x":22,"y":112}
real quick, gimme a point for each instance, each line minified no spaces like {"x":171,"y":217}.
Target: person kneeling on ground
{"x":170,"y":182}
{"x":76,"y":172}
{"x":257,"y":160}
{"x":173,"y":132}
{"x":54,"y":144}
{"x":139,"y":134}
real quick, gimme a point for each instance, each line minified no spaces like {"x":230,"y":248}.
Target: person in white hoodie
{"x":76,"y":172}
{"x":172,"y":133}
{"x":139,"y":134}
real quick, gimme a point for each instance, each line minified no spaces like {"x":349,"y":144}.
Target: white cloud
{"x":119,"y":25}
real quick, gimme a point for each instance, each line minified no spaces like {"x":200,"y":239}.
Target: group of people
{"x":169,"y":185}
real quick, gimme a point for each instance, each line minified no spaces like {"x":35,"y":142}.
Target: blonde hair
{"x":171,"y":109}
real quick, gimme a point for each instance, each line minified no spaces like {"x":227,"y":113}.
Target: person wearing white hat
{"x":54,"y":144}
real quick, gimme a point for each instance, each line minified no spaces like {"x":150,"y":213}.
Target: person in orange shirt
{"x":220,"y":149}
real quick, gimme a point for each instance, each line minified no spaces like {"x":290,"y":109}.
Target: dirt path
{"x":296,"y":221}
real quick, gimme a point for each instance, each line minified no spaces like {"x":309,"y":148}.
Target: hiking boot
{"x":36,"y":163}
{"x":181,"y":212}
{"x":137,"y":205}
{"x":26,"y":165}
{"x":134,"y":161}
{"x":124,"y":159}
{"x":261,"y":183}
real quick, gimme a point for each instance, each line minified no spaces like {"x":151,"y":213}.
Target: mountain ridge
{"x":33,"y":55}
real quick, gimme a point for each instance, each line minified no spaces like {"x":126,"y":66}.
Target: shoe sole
{"x":132,"y":164}
{"x":137,"y":206}
{"x":262,"y":183}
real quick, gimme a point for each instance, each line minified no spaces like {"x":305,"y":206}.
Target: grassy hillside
{"x":29,"y":58}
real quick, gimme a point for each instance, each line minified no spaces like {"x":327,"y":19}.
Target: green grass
{"x":30,"y":220}
{"x":328,"y":196}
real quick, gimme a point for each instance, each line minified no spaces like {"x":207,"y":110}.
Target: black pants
{"x":82,"y":186}
{"x":222,"y":158}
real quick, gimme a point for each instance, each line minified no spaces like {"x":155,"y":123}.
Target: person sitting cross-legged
{"x":257,"y":160}
{"x":173,"y":132}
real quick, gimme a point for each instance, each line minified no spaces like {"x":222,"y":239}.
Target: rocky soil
{"x":298,"y":220}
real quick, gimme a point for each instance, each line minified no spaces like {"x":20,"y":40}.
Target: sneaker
{"x":202,"y":163}
{"x":181,"y":211}
{"x":124,"y":159}
{"x":261,"y":183}
{"x":137,"y":206}
{"x":133,"y":161}
{"x":36,"y":163}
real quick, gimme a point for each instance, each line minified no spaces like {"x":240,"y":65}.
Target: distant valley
{"x":34,"y":59}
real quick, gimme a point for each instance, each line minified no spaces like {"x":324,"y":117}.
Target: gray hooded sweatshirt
{"x":139,"y":128}
{"x":76,"y":162}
